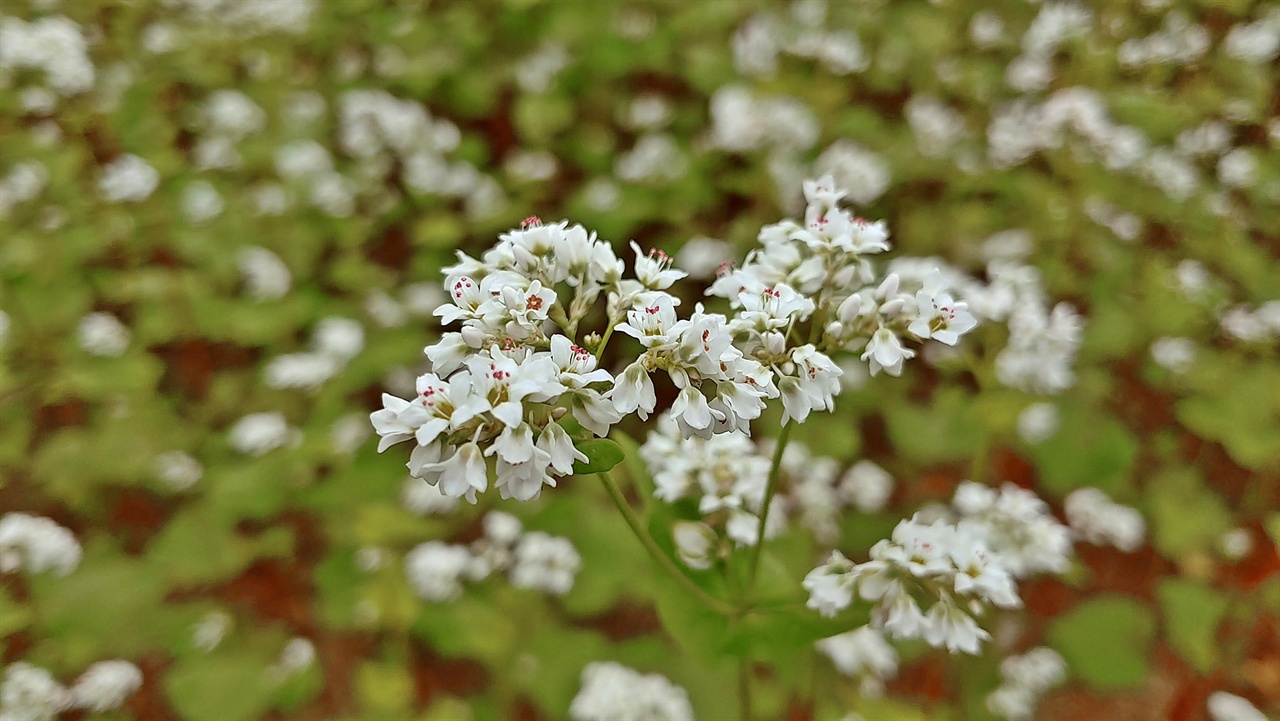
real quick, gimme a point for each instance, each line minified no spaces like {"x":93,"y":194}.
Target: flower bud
{"x":848,"y":310}
{"x":889,"y":287}
{"x":473,"y":336}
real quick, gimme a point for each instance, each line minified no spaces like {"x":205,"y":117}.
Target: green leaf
{"x":1106,"y":641}
{"x":1192,"y":612}
{"x":1188,"y":517}
{"x":219,"y":687}
{"x":602,"y":455}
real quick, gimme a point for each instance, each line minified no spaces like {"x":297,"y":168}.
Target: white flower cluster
{"x":613,"y":692}
{"x":1016,"y":525}
{"x":177,"y":469}
{"x":127,"y":179}
{"x":862,"y":654}
{"x":36,"y":544}
{"x":1257,"y":42}
{"x":947,"y":566}
{"x":957,"y":569}
{"x":726,"y":474}
{"x":1025,"y":678}
{"x":253,"y":17}
{"x":54,"y":45}
{"x":1054,"y":25}
{"x":1097,"y":519}
{"x":102,"y":334}
{"x":1178,"y":41}
{"x":1253,"y":325}
{"x":297,"y":656}
{"x":532,"y":559}
{"x":757,"y":44}
{"x":227,"y":117}
{"x":266,"y":277}
{"x":30,"y":693}
{"x":382,"y":131}
{"x":257,"y":434}
{"x":1223,"y":706}
{"x":501,"y":383}
{"x":24,"y":181}
{"x":335,"y":342}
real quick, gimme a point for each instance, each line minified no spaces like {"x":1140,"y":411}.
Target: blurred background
{"x":221,"y":226}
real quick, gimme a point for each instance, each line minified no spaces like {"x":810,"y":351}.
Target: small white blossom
{"x":102,"y":334}
{"x":30,"y":693}
{"x":266,"y":277}
{"x":545,"y":563}
{"x":260,"y":433}
{"x":36,"y":544}
{"x":434,"y":569}
{"x":1225,"y":706}
{"x":106,"y":685}
{"x":1097,"y":519}
{"x":177,"y":469}
{"x":128,"y":178}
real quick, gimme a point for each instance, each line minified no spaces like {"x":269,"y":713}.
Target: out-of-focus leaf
{"x":1106,"y":641}
{"x":1192,"y":612}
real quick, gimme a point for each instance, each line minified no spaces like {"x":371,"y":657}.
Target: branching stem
{"x":770,"y":490}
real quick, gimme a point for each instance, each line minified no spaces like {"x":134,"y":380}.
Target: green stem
{"x":770,"y":490}
{"x":744,"y":689}
{"x":604,"y":341}
{"x":657,"y":554}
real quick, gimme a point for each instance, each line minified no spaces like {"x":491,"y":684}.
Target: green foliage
{"x":1106,"y":641}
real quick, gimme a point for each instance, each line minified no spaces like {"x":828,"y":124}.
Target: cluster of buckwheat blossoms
{"x":612,"y":692}
{"x":29,"y":692}
{"x":1024,"y":679}
{"x":532,"y":559}
{"x":503,"y":385}
{"x":932,"y":580}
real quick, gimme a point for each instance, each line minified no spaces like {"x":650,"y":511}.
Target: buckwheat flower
{"x":105,"y":686}
{"x":695,"y":543}
{"x":260,"y":433}
{"x":1257,"y":42}
{"x":1174,"y":354}
{"x":1097,"y":519}
{"x":986,"y":29}
{"x":128,"y":178}
{"x":339,"y":338}
{"x":424,"y":499}
{"x":939,"y":316}
{"x":266,"y":277}
{"x":30,"y":693}
{"x":1016,"y":525}
{"x":866,"y":486}
{"x":830,"y":585}
{"x":1238,"y":169}
{"x":1235,"y":544}
{"x":37,"y":544}
{"x":612,"y":692}
{"x":545,"y":563}
{"x":300,"y":370}
{"x":297,"y":655}
{"x":232,"y":113}
{"x":1038,"y":422}
{"x":885,"y":352}
{"x":864,"y":174}
{"x":1223,"y":706}
{"x":210,"y":630}
{"x":178,"y":470}
{"x":948,"y":625}
{"x":201,"y":203}
{"x":434,"y":569}
{"x":102,"y":334}
{"x":462,"y":474}
{"x":862,"y":653}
